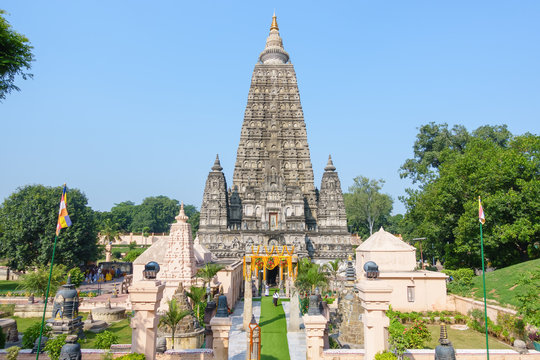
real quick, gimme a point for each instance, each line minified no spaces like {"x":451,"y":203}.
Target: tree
{"x":110,"y":231}
{"x":332,"y":268}
{"x":122,"y":214}
{"x":36,"y":281}
{"x":432,"y":141}
{"x":197,"y":294}
{"x":194,"y":216}
{"x":208,"y":272}
{"x":157,"y":213}
{"x":505,"y":172}
{"x":172,"y":317}
{"x":366,"y":207}
{"x":28,"y":218}
{"x":310,"y":276}
{"x":15,"y":57}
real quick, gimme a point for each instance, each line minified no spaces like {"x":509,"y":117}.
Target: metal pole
{"x":484,"y":283}
{"x":46,"y":298}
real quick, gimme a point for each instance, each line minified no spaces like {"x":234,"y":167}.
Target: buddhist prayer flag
{"x":63,"y":217}
{"x":481,"y":216}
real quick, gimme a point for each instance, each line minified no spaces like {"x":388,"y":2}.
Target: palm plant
{"x":332,"y":268}
{"x":110,"y":231}
{"x":196,"y":294}
{"x":172,"y":317}
{"x":208,"y":272}
{"x":310,"y":276}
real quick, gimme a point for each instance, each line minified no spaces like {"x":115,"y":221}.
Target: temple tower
{"x":273,"y":200}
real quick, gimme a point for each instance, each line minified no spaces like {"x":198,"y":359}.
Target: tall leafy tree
{"x":156,"y":212}
{"x":15,"y":57}
{"x":122,"y":214}
{"x":366,"y":206}
{"x":505,"y":171}
{"x":28,"y":218}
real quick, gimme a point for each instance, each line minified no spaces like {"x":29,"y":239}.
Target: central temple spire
{"x":274,"y":53}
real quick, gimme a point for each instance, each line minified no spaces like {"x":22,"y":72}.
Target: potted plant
{"x":535,"y":339}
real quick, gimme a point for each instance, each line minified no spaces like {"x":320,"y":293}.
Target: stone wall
{"x":87,"y":354}
{"x":231,"y":278}
{"x":191,"y":354}
{"x":463,"y":305}
{"x":126,"y":239}
{"x":7,"y":274}
{"x":464,"y":354}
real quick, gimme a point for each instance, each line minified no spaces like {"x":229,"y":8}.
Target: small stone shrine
{"x":65,"y":312}
{"x":71,"y":349}
{"x":351,"y":327}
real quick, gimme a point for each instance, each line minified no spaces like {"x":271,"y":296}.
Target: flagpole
{"x":484,"y":283}
{"x":46,"y":299}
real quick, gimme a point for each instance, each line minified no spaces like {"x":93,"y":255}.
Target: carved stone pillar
{"x":145,"y":297}
{"x":375,"y":298}
{"x":248,"y":305}
{"x":294,"y":311}
{"x":315,"y":327}
{"x":220,"y":333}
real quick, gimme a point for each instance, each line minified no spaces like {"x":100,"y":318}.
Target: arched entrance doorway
{"x":272,"y":276}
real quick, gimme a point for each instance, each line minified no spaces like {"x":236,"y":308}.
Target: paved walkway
{"x":237,"y":336}
{"x":296,"y":340}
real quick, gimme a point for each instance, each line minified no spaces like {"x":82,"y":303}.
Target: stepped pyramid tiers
{"x":273,"y":199}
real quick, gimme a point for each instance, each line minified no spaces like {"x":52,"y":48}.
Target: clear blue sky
{"x":134,"y":98}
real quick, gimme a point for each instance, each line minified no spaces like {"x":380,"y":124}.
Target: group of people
{"x":275,"y":297}
{"x":96,"y":274}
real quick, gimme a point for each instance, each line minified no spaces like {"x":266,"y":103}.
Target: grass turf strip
{"x":274,"y":345}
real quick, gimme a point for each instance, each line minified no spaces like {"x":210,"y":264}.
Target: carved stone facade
{"x":273,"y":200}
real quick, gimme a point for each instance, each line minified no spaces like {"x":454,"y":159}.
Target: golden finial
{"x":274,"y":22}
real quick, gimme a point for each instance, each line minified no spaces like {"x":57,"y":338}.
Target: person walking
{"x":266,"y":289}
{"x":275,"y":298}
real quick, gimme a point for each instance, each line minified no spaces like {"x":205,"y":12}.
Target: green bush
{"x":12,"y":353}
{"x":77,"y":276}
{"x":461,"y":280}
{"x":333,"y":343}
{"x":304,"y":305}
{"x":132,"y":356}
{"x":132,"y":245}
{"x":117,"y":254}
{"x":54,"y":346}
{"x":7,"y":309}
{"x":133,"y":254}
{"x":105,"y":339}
{"x":32,"y":334}
{"x":527,"y":298}
{"x":2,"y":339}
{"x":385,"y":356}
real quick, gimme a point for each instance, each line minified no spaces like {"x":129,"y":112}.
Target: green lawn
{"x":464,"y":339}
{"x":120,"y":328}
{"x":500,"y":284}
{"x":274,"y":345}
{"x":8,"y":285}
{"x":24,"y":323}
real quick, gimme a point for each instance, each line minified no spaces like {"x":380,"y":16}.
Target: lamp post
{"x":421,"y":253}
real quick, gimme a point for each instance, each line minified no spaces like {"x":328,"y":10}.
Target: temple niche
{"x":273,"y":199}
